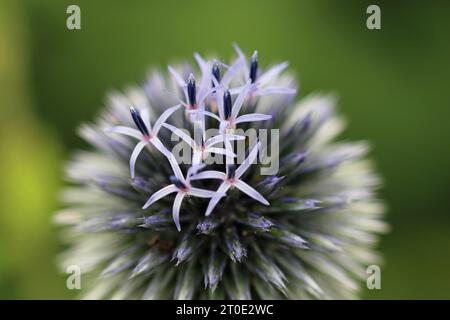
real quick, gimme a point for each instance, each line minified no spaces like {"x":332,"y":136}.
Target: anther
{"x":253,"y":67}
{"x":139,"y":122}
{"x":227,"y":104}
{"x":191,"y":89}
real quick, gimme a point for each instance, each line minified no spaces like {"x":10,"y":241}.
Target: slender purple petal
{"x":160,"y":194}
{"x":177,"y":77}
{"x":220,"y":138}
{"x":163,"y":117}
{"x":252,"y":117}
{"x":176,"y":209}
{"x":242,"y":58}
{"x":232,"y":71}
{"x":245,"y":188}
{"x":126,"y":131}
{"x":226,"y":152}
{"x":134,"y":155}
{"x":275,"y":90}
{"x":145,"y":115}
{"x":201,"y":193}
{"x":272,"y":73}
{"x":248,"y":161}
{"x":214,"y":201}
{"x":240,"y":100}
{"x":209,"y":174}
{"x":197,"y":156}
{"x":206,"y":113}
{"x":180,"y":133}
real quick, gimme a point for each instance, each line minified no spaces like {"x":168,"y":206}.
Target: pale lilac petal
{"x":158,"y":145}
{"x":202,"y":193}
{"x":126,"y":131}
{"x":197,"y":156}
{"x":220,"y":138}
{"x":219,"y":94}
{"x":205,"y":83}
{"x":272,"y":73}
{"x":206,"y":113}
{"x":251,"y":117}
{"x":180,"y":133}
{"x":175,"y":167}
{"x":193,"y":171}
{"x":181,"y":82}
{"x":214,"y":201}
{"x":177,"y":98}
{"x":224,"y":124}
{"x":248,"y":161}
{"x":240,"y":100}
{"x":242,"y":57}
{"x":163,"y":117}
{"x":236,"y":90}
{"x":145,"y":115}
{"x":160,"y":194}
{"x":209,"y":174}
{"x":275,"y":90}
{"x":172,"y":160}
{"x":229,"y":147}
{"x":201,"y":62}
{"x":245,"y":188}
{"x":134,"y":155}
{"x":177,"y":77}
{"x":232,"y":71}
{"x":205,"y":90}
{"x":176,"y":209}
{"x":223,"y":151}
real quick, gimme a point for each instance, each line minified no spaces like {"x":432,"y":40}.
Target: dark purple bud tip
{"x":227,"y":104}
{"x":216,"y":72}
{"x":191,"y":89}
{"x":139,"y":122}
{"x":177,"y":182}
{"x":231,"y":171}
{"x":253,"y":67}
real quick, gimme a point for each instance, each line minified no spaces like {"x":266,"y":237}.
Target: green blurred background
{"x":393,"y":86}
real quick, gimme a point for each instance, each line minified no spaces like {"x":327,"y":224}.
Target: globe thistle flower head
{"x":236,"y":191}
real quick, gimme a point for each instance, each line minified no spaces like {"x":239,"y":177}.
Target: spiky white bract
{"x":180,"y":231}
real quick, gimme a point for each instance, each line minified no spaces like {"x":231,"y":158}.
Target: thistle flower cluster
{"x":144,"y":224}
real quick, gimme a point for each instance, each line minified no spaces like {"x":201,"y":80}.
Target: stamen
{"x":177,"y":182}
{"x":191,"y":89}
{"x":139,"y":122}
{"x":253,"y":67}
{"x":216,"y":73}
{"x":227,"y":104}
{"x":231,"y":171}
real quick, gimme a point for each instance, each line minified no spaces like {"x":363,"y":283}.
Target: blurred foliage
{"x":392,"y":84}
